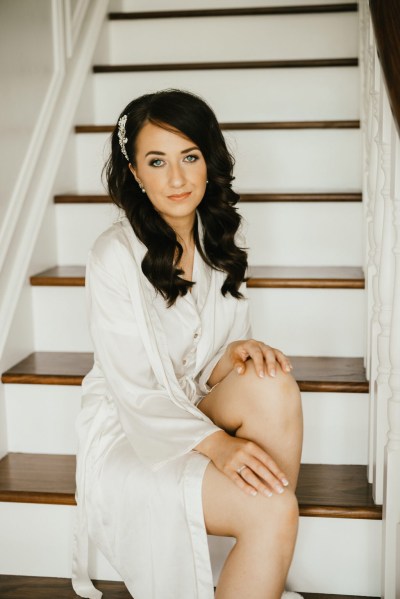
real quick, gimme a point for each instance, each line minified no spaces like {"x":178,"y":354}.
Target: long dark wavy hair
{"x":174,"y":109}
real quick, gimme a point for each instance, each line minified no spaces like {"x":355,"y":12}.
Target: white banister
{"x":73,"y":51}
{"x":381,"y":194}
{"x":385,"y":280}
{"x":391,"y":505}
{"x":374,"y":223}
{"x":370,"y":125}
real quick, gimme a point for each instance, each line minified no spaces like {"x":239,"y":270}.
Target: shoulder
{"x":116,"y":245}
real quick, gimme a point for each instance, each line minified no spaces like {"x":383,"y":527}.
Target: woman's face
{"x":173,"y":172}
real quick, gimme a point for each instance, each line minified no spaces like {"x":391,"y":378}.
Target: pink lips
{"x":180,"y":196}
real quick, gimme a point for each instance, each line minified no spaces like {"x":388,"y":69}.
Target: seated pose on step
{"x":188,"y":425}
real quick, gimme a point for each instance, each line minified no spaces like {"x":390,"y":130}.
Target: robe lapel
{"x":142,"y":294}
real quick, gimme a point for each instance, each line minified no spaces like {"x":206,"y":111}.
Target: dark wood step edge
{"x":245,"y":197}
{"x":316,"y":511}
{"x":247,"y":64}
{"x":41,"y":587}
{"x":236,"y":12}
{"x":256,"y":126}
{"x":76,"y":380}
{"x":252,"y":283}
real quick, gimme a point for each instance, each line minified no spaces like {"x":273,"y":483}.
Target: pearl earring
{"x":141,"y":187}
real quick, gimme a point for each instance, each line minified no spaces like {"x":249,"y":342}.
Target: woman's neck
{"x":185,"y":234}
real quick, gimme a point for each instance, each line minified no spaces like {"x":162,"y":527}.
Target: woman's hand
{"x":264,"y":357}
{"x":261,"y":473}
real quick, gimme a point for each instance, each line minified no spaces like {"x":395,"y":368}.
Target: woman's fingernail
{"x":267,"y":493}
{"x":279,"y":488}
{"x":261,"y":373}
{"x":254,"y":492}
{"x":288,"y":367}
{"x":285,"y":482}
{"x":273,"y":372}
{"x":239,"y":369}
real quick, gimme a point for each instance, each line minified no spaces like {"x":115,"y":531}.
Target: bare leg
{"x":267,"y":412}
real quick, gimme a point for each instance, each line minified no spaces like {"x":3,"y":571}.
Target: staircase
{"x":283,"y":79}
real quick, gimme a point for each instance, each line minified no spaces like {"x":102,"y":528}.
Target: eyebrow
{"x":163,"y":153}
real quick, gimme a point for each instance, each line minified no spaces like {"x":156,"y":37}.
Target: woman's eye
{"x":191,"y":158}
{"x":156,"y":162}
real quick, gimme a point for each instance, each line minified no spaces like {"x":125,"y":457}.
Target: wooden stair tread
{"x":72,"y":198}
{"x":332,"y":124}
{"x":327,"y":277}
{"x":237,"y":64}
{"x":70,"y":276}
{"x":50,"y":368}
{"x":41,"y":587}
{"x":314,"y":374}
{"x":306,"y":276}
{"x":235,"y":12}
{"x":324,"y":490}
{"x":45,"y":587}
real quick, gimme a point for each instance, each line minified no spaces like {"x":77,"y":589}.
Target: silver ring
{"x":239,"y":470}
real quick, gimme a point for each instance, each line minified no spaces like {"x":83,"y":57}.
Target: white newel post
{"x":391,"y":498}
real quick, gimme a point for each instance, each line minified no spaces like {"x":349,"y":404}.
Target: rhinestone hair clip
{"x":122,"y":135}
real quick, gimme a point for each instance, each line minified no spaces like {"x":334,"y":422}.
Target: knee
{"x":279,"y":513}
{"x":281,"y":387}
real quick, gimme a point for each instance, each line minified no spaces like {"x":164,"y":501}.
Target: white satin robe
{"x":139,"y":480}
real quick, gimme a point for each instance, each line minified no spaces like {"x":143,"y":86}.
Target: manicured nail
{"x":279,"y":488}
{"x":254,"y":492}
{"x":288,"y":367}
{"x":285,"y":482}
{"x":239,"y":369}
{"x":273,"y":372}
{"x":261,"y":373}
{"x":267,"y":493}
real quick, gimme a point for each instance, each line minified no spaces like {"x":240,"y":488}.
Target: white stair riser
{"x":286,"y":160}
{"x":37,"y":541}
{"x":143,"y":5}
{"x":78,"y":226}
{"x":273,"y":37}
{"x":303,"y":234}
{"x":335,"y":424}
{"x":311,"y":322}
{"x":335,"y":428}
{"x":315,"y":322}
{"x":48,"y":424}
{"x":331,"y":227}
{"x":246,"y":95}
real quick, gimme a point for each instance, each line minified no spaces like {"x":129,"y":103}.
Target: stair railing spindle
{"x":385,"y":278}
{"x":375,"y":211}
{"x":391,"y":494}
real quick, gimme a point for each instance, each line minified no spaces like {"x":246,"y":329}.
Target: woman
{"x":188,"y":425}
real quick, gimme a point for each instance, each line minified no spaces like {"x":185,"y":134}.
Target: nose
{"x":176,"y":175}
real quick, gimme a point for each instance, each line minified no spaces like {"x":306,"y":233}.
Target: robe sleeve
{"x":158,"y":429}
{"x":241,"y":328}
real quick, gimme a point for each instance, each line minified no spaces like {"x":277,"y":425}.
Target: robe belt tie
{"x":190,"y":388}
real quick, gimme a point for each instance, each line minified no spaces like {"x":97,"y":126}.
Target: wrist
{"x":211,"y":444}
